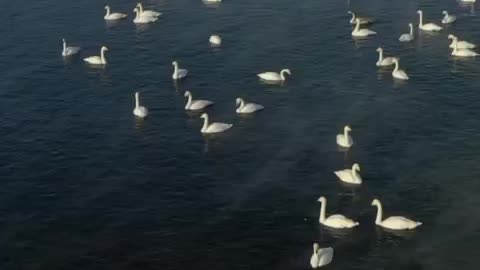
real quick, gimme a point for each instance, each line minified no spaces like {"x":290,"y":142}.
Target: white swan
{"x":178,"y":73}
{"x":143,"y":18}
{"x":215,"y":40}
{"x":448,"y":18}
{"x":393,"y":223}
{"x":69,"y":51}
{"x":460,"y":44}
{"x":463,"y":52}
{"x":350,"y":176}
{"x":398,"y":73}
{"x":274,"y":76}
{"x":213,"y":127}
{"x":212,"y":1}
{"x":382,"y":62}
{"x":345,"y":140}
{"x":247,"y":107}
{"x":427,"y":26}
{"x":357,"y":32}
{"x":321,"y":256}
{"x":363,"y":20}
{"x":334,"y":221}
{"x":195,"y":105}
{"x":469,"y":1}
{"x":148,"y":13}
{"x":408,"y":36}
{"x":139,"y":111}
{"x":98,"y":60}
{"x":113,"y":16}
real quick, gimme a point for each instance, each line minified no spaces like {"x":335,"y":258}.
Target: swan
{"x":139,"y":111}
{"x":398,"y":73}
{"x":334,"y":221}
{"x":213,"y":127}
{"x":212,"y":1}
{"x":195,"y":105}
{"x":345,"y":140}
{"x":469,"y":1}
{"x":350,"y":176}
{"x":148,"y":13}
{"x":382,"y":62}
{"x":463,"y":52}
{"x":113,"y":16}
{"x":395,"y":222}
{"x":215,"y":40}
{"x":363,"y":20}
{"x":143,"y":18}
{"x":247,"y":107}
{"x":178,"y":73}
{"x":357,"y":32}
{"x":321,"y":256}
{"x":428,"y":26}
{"x":407,"y":37}
{"x":460,"y":44}
{"x":274,"y":76}
{"x":68,"y":51}
{"x":448,"y":18}
{"x":97,"y":60}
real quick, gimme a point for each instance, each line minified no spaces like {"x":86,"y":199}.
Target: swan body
{"x":363,"y":20}
{"x":247,"y":107}
{"x":427,"y":26}
{"x":69,"y":51}
{"x":321,"y":256}
{"x":447,"y":18}
{"x":139,"y":18}
{"x":195,"y":105}
{"x":398,"y":73}
{"x":113,"y":16}
{"x":345,"y":140}
{"x":148,"y":13}
{"x":469,"y":1}
{"x":274,"y":76}
{"x":460,"y":44}
{"x":212,"y":1}
{"x":408,"y":36}
{"x":215,"y":40}
{"x":98,"y":60}
{"x":213,"y":127}
{"x":357,"y":32}
{"x":384,"y":61}
{"x":350,"y":176}
{"x":463,"y":52}
{"x":139,"y":111}
{"x":395,"y":222}
{"x":178,"y":73}
{"x":334,"y":221}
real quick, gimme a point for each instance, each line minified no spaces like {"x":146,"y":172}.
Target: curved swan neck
{"x":242,"y":103}
{"x":378,"y":220}
{"x":282,"y":74}
{"x":396,"y":66}
{"x":357,"y":26}
{"x":205,"y":122}
{"x":353,"y":17}
{"x":380,"y":55}
{"x":140,"y":7}
{"x":137,"y":14}
{"x":421,"y":18}
{"x":322,"y":210}
{"x":189,"y":101}
{"x":108,"y":11}
{"x":137,"y":100}
{"x":102,"y":55}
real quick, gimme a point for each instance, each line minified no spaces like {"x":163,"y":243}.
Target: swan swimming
{"x":395,"y":222}
{"x":195,"y":105}
{"x":67,"y":50}
{"x":334,"y":221}
{"x":398,"y":73}
{"x":148,"y":13}
{"x":357,"y":32}
{"x":448,"y":18}
{"x":247,"y":107}
{"x":408,"y":36}
{"x":468,"y":1}
{"x":215,"y":40}
{"x":98,"y":60}
{"x":143,"y":18}
{"x":139,"y":111}
{"x":213,"y":127}
{"x":460,"y":44}
{"x":178,"y":73}
{"x":350,"y":176}
{"x":463,"y":52}
{"x":382,"y":62}
{"x":345,"y":140}
{"x":321,"y":256}
{"x":427,"y":26}
{"x":113,"y":16}
{"x":274,"y":76}
{"x":363,"y":20}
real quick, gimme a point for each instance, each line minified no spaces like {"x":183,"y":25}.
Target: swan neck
{"x":380,"y":55}
{"x":357,"y":26}
{"x":205,"y":123}
{"x":242,"y":104}
{"x":322,"y":210}
{"x":64,"y":46}
{"x":411,"y":29}
{"x":102,"y":55}
{"x":282,"y":74}
{"x":108,"y":11}
{"x":353,"y":18}
{"x":137,"y":101}
{"x":396,"y":66}
{"x":140,"y":7}
{"x":175,"y":71}
{"x":189,"y":102}
{"x":378,"y":220}
{"x":421,"y":18}
{"x":345,"y":133}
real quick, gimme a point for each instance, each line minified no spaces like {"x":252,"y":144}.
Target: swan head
{"x":410,"y":24}
{"x":444,"y":12}
{"x":347,"y":128}
{"x":138,"y":5}
{"x":104,"y":48}
{"x":316,"y":247}
{"x":419,"y":11}
{"x":63,"y":40}
{"x":349,"y":12}
{"x":375,"y":202}
{"x":174,"y":63}
{"x":106,"y":7}
{"x":287,"y":71}
{"x":395,"y":59}
{"x":136,"y":10}
{"x":451,"y":36}
{"x":238,"y":101}
{"x":356,"y":167}
{"x":379,"y":49}
{"x":187,"y":93}
{"x":204,"y":116}
{"x":322,"y":199}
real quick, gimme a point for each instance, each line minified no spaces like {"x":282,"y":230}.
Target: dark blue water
{"x":84,"y":185}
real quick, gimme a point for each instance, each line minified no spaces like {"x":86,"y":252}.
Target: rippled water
{"x":86,"y":186}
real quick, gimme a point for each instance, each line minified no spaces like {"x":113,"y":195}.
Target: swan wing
{"x":140,"y":111}
{"x":340,"y":221}
{"x":93,"y":60}
{"x":269,"y":76}
{"x":200,"y":104}
{"x":344,"y":175}
{"x":218,"y":127}
{"x":251,"y":108}
{"x":431,"y":27}
{"x":151,"y":13}
{"x":400,"y":223}
{"x":387,"y":61}
{"x":344,"y":142}
{"x":182,"y":73}
{"x":71,"y":51}
{"x":116,"y":16}
{"x":325,"y":256}
{"x":405,"y":38}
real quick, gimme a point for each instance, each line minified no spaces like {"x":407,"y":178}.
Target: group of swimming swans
{"x":141,"y":15}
